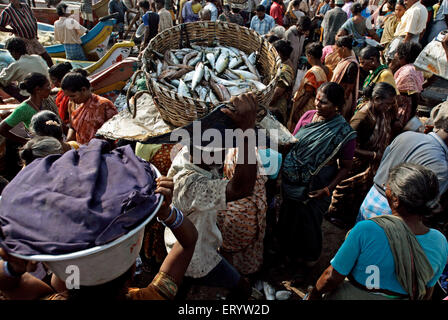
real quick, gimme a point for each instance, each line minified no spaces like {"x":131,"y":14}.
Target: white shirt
{"x":17,"y":71}
{"x":213,"y":11}
{"x":413,"y":21}
{"x":68,"y":31}
{"x":199,"y":195}
{"x":165,"y":19}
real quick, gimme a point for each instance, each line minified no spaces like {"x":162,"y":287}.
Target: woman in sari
{"x":329,"y":56}
{"x":369,"y":61}
{"x":408,"y":257}
{"x":57,"y":73}
{"x":89,"y":112}
{"x":243,"y":223}
{"x":346,"y":74}
{"x":373,"y":124}
{"x":153,"y":250}
{"x":38,"y":87}
{"x":282,"y":93}
{"x":303,"y":99}
{"x":409,"y":81}
{"x":292,"y":14}
{"x":311,"y":172}
{"x":358,"y":27}
{"x":391,"y":23}
{"x":384,"y":13}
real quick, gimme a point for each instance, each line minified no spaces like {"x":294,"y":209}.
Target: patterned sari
{"x":286,"y":80}
{"x":372,"y":78}
{"x":349,"y":194}
{"x":390,"y":25}
{"x":351,"y":96}
{"x":62,"y":103}
{"x":153,"y":250}
{"x":88,"y":117}
{"x":307,"y":167}
{"x":409,"y":82}
{"x":332,"y":60}
{"x":243,"y":223}
{"x":312,"y":80}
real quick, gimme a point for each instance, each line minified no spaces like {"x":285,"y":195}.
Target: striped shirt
{"x":21,"y":20}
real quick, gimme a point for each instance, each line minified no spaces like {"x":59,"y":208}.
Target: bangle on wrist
{"x":167,"y":218}
{"x":10,"y":273}
{"x":327,"y":190}
{"x":177,"y":221}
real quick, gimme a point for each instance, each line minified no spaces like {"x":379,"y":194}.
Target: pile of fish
{"x":46,"y":38}
{"x":210,"y":74}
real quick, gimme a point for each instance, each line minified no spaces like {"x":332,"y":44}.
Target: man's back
{"x":333,"y":20}
{"x":297,"y":41}
{"x":428,"y":150}
{"x":68,"y":30}
{"x":213,"y":11}
{"x":334,"y":15}
{"x":17,"y":71}
{"x":151,"y":20}
{"x":165,"y":19}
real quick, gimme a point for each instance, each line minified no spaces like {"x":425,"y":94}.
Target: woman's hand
{"x":245,"y":112}
{"x":22,"y":285}
{"x":295,"y":97}
{"x":445,"y":41}
{"x":321,"y":193}
{"x":18,"y":265}
{"x":445,"y":44}
{"x":165,"y":187}
{"x":312,"y":294}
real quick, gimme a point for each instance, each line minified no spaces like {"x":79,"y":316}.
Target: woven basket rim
{"x":205,"y":24}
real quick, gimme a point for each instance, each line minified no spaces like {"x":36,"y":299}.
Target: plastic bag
{"x":299,"y":76}
{"x":433,"y":58}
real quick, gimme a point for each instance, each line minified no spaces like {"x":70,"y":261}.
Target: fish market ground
{"x":281,"y":277}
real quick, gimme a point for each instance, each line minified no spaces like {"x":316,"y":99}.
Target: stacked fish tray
{"x":192,"y":68}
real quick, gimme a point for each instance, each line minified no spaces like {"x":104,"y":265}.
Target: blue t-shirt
{"x":365,"y":13}
{"x":367,"y":245}
{"x":151,"y":20}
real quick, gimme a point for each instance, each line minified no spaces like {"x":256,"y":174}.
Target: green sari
{"x":306,"y":168}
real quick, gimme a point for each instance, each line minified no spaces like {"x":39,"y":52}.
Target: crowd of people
{"x":347,"y":91}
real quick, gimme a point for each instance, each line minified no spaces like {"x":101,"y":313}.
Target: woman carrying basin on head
{"x":18,"y":284}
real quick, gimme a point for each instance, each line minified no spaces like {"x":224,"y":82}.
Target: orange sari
{"x":351,"y":96}
{"x":332,"y":60}
{"x":89,"y":116}
{"x":312,"y":80}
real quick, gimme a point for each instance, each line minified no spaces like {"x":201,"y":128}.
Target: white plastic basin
{"x":103,"y":263}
